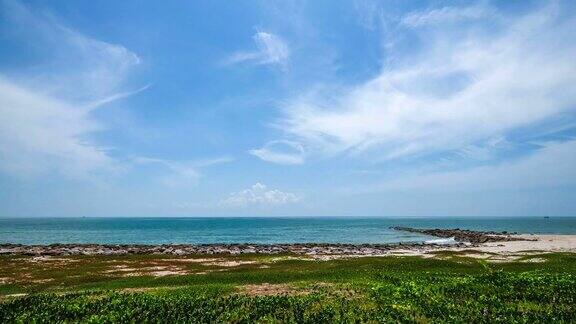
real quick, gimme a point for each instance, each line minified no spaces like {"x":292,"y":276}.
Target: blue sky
{"x":254,"y":108}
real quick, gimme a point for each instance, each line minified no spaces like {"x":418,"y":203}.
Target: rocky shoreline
{"x":463,"y":238}
{"x":188,"y":249}
{"x":461,"y":235}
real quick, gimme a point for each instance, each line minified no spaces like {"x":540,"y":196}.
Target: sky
{"x":287,"y":108}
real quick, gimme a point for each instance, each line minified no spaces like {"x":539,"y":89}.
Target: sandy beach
{"x":533,"y":243}
{"x":523,"y":248}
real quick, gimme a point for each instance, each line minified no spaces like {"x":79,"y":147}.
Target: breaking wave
{"x":443,"y":241}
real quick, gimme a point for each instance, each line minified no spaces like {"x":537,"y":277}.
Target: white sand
{"x":512,"y":250}
{"x":497,"y":251}
{"x":545,"y":243}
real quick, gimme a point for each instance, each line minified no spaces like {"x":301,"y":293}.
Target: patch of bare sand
{"x":219,"y":262}
{"x":45,"y":280}
{"x":163,"y":273}
{"x":167,"y":267}
{"x":13,"y":295}
{"x":24,"y":278}
{"x":155,"y":271}
{"x":189,"y":260}
{"x":230,"y":263}
{"x":534,"y":260}
{"x":329,"y":257}
{"x":51,"y":259}
{"x":266,"y":289}
{"x":290,"y":257}
{"x":391,"y":252}
{"x":237,"y":263}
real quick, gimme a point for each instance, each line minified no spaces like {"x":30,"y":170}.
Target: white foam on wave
{"x":443,"y":241}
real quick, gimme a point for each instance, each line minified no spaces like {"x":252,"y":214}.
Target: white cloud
{"x":113,"y":97}
{"x":46,"y":124}
{"x":281,"y":152}
{"x":39,"y":134}
{"x":259,"y":195}
{"x":74,"y":66}
{"x":271,"y":50}
{"x":445,"y":15}
{"x":464,"y":89}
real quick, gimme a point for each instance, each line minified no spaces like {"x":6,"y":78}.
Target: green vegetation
{"x":257,"y":288}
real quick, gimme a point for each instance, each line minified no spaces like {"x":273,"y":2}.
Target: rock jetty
{"x":462,"y":235}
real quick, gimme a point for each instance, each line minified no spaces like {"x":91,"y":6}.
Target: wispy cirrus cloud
{"x":464,"y":88}
{"x":271,"y":50}
{"x":74,"y":66}
{"x":281,"y":152}
{"x":46,"y":122}
{"x":40,"y":135}
{"x":114,"y":97}
{"x":446,"y":15}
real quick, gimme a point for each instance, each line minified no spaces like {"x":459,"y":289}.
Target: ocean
{"x":202,"y":230}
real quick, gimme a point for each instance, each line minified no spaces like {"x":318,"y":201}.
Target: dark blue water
{"x":257,"y":230}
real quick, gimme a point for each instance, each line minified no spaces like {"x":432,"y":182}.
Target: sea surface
{"x":203,"y":230}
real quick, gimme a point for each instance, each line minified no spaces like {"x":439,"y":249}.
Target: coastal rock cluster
{"x":462,"y":235}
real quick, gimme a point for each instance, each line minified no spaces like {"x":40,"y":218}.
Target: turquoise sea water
{"x":258,"y":229}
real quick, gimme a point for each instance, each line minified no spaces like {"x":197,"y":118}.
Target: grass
{"x":262,"y":288}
